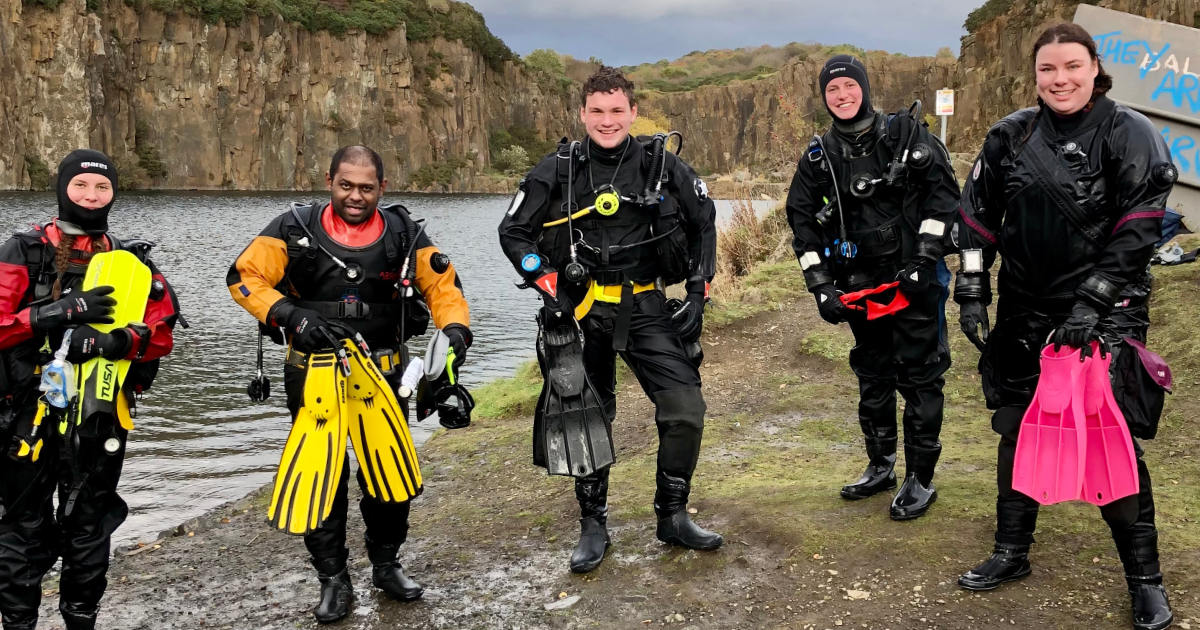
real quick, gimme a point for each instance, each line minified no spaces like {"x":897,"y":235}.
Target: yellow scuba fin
{"x":379,"y":432}
{"x":100,"y":379}
{"x":311,"y":464}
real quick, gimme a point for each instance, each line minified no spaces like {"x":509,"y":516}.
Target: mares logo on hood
{"x":94,"y":221}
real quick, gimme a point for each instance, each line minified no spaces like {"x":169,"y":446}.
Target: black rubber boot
{"x":1007,"y":563}
{"x":78,"y":616}
{"x":1151,"y":610}
{"x":917,"y":493}
{"x":21,"y":622}
{"x":880,"y":474}
{"x":336,"y":592}
{"x":674,"y":525}
{"x":592,"y":493}
{"x":388,"y":575}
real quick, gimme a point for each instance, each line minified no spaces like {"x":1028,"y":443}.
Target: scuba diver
{"x":1071,"y":195}
{"x":348,"y":281}
{"x":870,"y":206}
{"x":80,"y":312}
{"x":597,"y":228}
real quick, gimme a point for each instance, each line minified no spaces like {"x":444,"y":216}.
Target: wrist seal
{"x":973,"y":287}
{"x":815,"y":277}
{"x":1099,"y":292}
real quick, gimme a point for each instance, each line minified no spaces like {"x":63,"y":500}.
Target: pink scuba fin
{"x":1110,"y":464}
{"x":1049,"y":462}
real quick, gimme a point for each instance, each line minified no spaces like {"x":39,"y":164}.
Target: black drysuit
{"x":621,"y":249}
{"x":890,"y":227}
{"x":1073,"y":205}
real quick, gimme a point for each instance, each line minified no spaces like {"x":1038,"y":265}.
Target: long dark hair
{"x":1070,"y":33}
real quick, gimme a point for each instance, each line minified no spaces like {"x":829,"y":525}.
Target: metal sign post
{"x":945,"y":108}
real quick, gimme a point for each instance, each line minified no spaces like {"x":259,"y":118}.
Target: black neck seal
{"x":92,"y":221}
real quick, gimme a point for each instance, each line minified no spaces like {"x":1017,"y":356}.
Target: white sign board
{"x":945,"y":102}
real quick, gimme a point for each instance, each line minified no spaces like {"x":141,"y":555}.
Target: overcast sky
{"x":628,"y":33}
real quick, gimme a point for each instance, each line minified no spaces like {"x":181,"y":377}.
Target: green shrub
{"x":437,"y":174}
{"x":513,"y":160}
{"x":990,"y":10}
{"x":38,"y":171}
{"x":148,"y":156}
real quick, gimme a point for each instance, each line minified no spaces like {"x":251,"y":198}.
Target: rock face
{"x":765,"y":124}
{"x":752,"y":125}
{"x":261,"y":105}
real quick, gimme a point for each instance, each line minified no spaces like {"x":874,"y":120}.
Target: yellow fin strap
{"x":586,"y":211}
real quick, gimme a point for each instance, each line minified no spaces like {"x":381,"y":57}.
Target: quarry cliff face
{"x":765,"y":124}
{"x":261,"y":105}
{"x":183,"y":104}
{"x":750,"y":125}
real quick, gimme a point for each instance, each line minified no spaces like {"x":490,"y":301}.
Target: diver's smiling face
{"x":355,"y":190}
{"x":607,"y":116}
{"x":1066,"y":75}
{"x":90,"y":190}
{"x":843,"y":97}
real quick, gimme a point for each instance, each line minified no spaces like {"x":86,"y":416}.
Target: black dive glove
{"x":918,"y":276}
{"x":89,"y":343}
{"x":460,"y":339}
{"x":829,"y":304}
{"x":689,"y":317}
{"x":309,"y":329}
{"x":93,"y":306}
{"x":1079,"y":329}
{"x":973,"y":319}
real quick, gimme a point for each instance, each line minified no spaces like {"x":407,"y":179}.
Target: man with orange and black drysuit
{"x":351,"y":264}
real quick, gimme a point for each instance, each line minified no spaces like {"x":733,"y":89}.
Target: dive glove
{"x":918,"y":276}
{"x":973,"y":319}
{"x":1079,"y":329}
{"x":93,"y":306}
{"x":829,"y":303}
{"x":460,"y":339}
{"x":689,"y":317}
{"x":309,"y":329}
{"x":88,"y":343}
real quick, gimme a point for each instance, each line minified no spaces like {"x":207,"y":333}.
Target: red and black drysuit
{"x":32,"y":534}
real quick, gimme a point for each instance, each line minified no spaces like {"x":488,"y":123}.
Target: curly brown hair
{"x":607,"y":79}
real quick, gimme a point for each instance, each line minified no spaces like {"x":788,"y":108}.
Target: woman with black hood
{"x":41,"y":299}
{"x":1071,"y":193}
{"x":869,"y":206}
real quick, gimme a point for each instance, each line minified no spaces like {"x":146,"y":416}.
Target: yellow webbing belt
{"x":610,"y":293}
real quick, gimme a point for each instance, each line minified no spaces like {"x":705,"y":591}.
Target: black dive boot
{"x":78,"y":616}
{"x":917,"y":493}
{"x":880,"y":474}
{"x":674,"y":525}
{"x":21,"y":622}
{"x":1151,"y":610}
{"x":592,"y":493}
{"x":336,"y":592}
{"x":1007,"y":563}
{"x":388,"y":575}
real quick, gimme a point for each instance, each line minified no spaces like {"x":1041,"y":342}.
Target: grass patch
{"x":512,"y":397}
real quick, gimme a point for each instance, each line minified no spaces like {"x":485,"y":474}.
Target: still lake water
{"x":199,"y":441}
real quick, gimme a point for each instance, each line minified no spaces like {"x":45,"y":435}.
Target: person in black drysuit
{"x":853,"y":230}
{"x":1071,"y":194}
{"x":624,"y":254}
